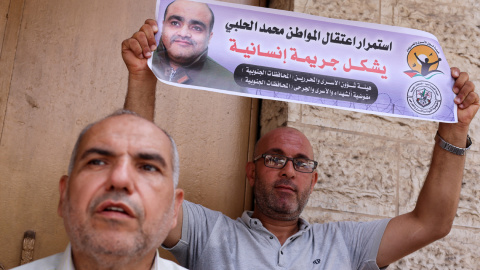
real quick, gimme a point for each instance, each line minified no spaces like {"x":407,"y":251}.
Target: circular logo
{"x":424,"y":98}
{"x":422,"y":55}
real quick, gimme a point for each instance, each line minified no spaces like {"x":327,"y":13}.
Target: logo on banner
{"x":424,"y":98}
{"x":423,"y":60}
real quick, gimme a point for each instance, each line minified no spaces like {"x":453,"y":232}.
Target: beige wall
{"x":61,"y":68}
{"x":373,"y":166}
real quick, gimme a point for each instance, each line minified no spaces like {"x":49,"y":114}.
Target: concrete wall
{"x":373,"y":167}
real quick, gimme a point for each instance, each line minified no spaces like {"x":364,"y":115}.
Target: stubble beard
{"x":276,"y":207}
{"x":179,"y":55}
{"x":108,"y":252}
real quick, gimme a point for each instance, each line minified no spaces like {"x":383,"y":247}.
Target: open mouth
{"x":115,"y":209}
{"x":118,"y":210}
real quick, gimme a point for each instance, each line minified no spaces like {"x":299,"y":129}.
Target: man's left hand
{"x":468,"y":104}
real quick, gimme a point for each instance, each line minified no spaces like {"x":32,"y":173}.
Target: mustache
{"x":119,"y":197}
{"x":285,"y":182}
{"x":187,"y":39}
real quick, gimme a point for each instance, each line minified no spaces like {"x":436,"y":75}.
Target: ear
{"x":63,"y":194}
{"x":314,"y":180}
{"x":250,"y":170}
{"x":177,"y":206}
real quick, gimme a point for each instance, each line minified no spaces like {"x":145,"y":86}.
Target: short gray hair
{"x":175,"y":157}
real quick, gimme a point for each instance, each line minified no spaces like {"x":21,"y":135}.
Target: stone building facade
{"x":373,"y":167}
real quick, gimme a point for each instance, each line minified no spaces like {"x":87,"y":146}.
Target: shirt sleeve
{"x":363,"y":240}
{"x":198,"y":224}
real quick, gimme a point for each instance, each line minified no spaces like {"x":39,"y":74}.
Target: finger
{"x":133,"y":45}
{"x":142,"y":41}
{"x":459,"y":82}
{"x":470,"y":98}
{"x":455,"y":72}
{"x":150,"y":36}
{"x":153,"y":24}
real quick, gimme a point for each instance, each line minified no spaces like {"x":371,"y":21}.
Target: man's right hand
{"x":137,"y":49}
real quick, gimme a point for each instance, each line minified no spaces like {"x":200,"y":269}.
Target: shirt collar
{"x":67,"y":262}
{"x":156,"y":262}
{"x":252,"y":223}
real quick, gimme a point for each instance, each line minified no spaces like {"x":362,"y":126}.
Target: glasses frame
{"x":288,"y":159}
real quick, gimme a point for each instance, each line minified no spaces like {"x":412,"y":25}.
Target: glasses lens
{"x":274,"y":161}
{"x":303,"y":164}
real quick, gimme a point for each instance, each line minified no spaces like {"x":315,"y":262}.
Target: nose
{"x":121,"y":177}
{"x":288,"y":170}
{"x":184,"y":31}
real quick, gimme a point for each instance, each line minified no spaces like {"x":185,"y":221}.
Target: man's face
{"x":120,"y":197}
{"x":282,"y":194}
{"x":186,"y":31}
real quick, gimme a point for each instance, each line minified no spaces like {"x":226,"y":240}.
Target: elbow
{"x":439,"y":231}
{"x":436,"y":226}
{"x":434,"y":230}
{"x":445,"y":230}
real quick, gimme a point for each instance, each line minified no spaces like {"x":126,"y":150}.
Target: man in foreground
{"x":119,"y":200}
{"x":273,"y":235}
{"x":182,"y":55}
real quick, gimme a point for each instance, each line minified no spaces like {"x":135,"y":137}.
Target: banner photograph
{"x":281,"y":55}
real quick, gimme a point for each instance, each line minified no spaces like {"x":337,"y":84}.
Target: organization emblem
{"x":424,"y":98}
{"x":423,"y":60}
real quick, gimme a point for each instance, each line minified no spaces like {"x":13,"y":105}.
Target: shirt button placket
{"x":281,"y":258}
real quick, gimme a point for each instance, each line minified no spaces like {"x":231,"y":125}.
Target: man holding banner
{"x":182,"y":55}
{"x":274,"y":235}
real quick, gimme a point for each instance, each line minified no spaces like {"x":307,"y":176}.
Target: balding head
{"x":175,"y":160}
{"x":199,"y":6}
{"x":281,"y":192}
{"x":282,"y":137}
{"x":186,"y":31}
{"x":119,"y":200}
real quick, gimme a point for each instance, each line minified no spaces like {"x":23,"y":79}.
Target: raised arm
{"x":418,"y":58}
{"x":141,"y":80}
{"x":437,"y":203}
{"x":141,"y":90}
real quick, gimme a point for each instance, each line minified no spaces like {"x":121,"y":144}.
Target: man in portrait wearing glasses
{"x":282,"y":173}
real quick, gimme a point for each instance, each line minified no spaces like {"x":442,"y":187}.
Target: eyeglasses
{"x":276,"y":161}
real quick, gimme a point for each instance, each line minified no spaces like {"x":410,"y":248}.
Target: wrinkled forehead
{"x":286,"y":141}
{"x":127,"y":133}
